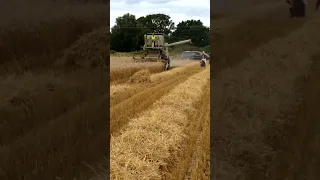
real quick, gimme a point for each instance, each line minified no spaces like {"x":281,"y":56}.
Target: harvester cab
{"x":159,"y":41}
{"x":157,"y":50}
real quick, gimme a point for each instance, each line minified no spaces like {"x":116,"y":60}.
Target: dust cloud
{"x":180,"y":62}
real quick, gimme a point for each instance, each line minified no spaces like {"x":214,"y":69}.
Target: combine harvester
{"x":158,"y":51}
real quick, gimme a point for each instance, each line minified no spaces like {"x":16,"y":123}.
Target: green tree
{"x":160,"y":23}
{"x":194,"y":30}
{"x":126,"y":35}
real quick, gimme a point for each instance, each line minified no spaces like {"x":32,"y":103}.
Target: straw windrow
{"x":120,"y":92}
{"x":145,"y":146}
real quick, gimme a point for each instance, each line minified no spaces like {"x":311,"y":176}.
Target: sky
{"x":178,"y":10}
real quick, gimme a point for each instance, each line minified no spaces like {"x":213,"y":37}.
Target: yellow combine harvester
{"x":157,"y":51}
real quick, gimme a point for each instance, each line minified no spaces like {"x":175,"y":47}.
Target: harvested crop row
{"x":262,"y":30}
{"x":168,"y":74}
{"x":121,"y":69}
{"x":129,"y":108}
{"x":255,"y":101}
{"x":302,"y":151}
{"x":200,"y":167}
{"x":120,"y":75}
{"x":90,"y":50}
{"x":52,"y":26}
{"x":25,"y":104}
{"x":148,"y":142}
{"x":74,"y":141}
{"x":120,"y":92}
{"x":195,"y":151}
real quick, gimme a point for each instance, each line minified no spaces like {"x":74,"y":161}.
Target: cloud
{"x":178,"y":10}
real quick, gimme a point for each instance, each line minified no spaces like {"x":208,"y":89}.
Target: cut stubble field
{"x":153,"y":115}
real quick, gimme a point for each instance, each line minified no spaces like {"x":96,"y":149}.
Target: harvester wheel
{"x":167,"y":65}
{"x":202,"y":63}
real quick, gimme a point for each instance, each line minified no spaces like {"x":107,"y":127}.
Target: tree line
{"x":127,"y":34}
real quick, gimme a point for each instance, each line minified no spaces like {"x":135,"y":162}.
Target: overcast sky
{"x":178,"y":10}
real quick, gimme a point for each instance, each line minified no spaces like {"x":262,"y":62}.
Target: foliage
{"x":127,"y":34}
{"x":194,"y":30}
{"x":156,"y":23}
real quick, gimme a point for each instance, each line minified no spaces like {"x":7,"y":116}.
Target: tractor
{"x":158,"y":51}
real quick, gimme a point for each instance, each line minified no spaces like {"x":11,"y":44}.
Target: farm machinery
{"x":157,"y":50}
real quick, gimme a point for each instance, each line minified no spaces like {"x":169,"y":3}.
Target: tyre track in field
{"x":202,"y":115}
{"x":191,"y":153}
{"x":121,"y":112}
